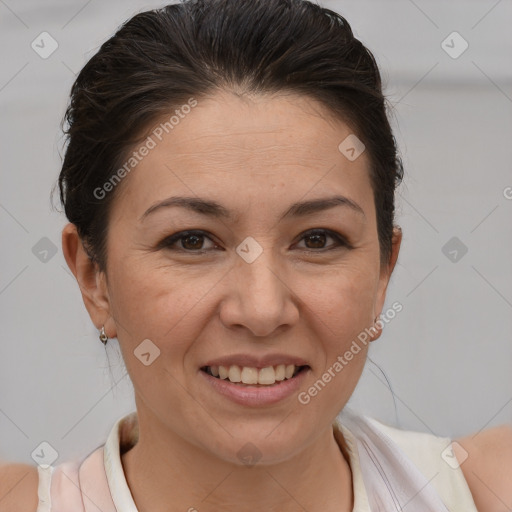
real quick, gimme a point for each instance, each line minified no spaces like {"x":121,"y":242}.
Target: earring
{"x":103,"y":336}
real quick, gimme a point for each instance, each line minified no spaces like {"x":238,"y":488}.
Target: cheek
{"x":343,"y":300}
{"x":341,"y":309}
{"x":164,"y":306}
{"x":155,"y":302}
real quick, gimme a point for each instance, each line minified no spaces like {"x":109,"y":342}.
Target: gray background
{"x":447,"y":355}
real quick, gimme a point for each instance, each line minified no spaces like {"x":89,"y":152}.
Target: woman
{"x":229,"y":181}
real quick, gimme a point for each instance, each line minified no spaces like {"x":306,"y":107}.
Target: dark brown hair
{"x":159,"y":59}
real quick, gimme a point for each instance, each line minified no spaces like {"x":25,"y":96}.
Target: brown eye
{"x":192,"y":242}
{"x":317,"y":240}
{"x":188,"y":241}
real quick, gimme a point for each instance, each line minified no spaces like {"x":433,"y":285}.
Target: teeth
{"x":247,"y":375}
{"x":266,"y":375}
{"x":223,"y":372}
{"x":234,"y":374}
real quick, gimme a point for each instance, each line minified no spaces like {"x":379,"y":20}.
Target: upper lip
{"x":256,"y":362}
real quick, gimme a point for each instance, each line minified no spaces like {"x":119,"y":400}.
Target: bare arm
{"x":488,"y":468}
{"x":18,"y":488}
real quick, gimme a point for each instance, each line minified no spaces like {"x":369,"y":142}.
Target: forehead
{"x":228,"y":147}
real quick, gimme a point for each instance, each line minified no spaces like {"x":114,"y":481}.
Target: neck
{"x":163,"y":468}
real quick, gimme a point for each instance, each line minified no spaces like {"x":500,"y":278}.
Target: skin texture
{"x":255,"y":156}
{"x":486,"y":461}
{"x":258,"y":157}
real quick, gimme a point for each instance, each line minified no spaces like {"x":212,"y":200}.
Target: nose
{"x":259,"y":297}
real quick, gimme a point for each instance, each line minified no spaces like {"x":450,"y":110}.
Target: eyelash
{"x":168,"y":242}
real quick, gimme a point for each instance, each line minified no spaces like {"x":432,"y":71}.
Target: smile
{"x":255,"y":394}
{"x":246,"y":375}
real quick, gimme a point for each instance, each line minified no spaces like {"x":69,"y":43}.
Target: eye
{"x":188,"y":241}
{"x":317,"y":238}
{"x":193,"y":241}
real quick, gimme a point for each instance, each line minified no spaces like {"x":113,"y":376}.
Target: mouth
{"x":250,"y":376}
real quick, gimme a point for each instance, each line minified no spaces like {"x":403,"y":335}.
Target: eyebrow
{"x":203,"y":206}
{"x":321,"y":204}
{"x":214,"y":209}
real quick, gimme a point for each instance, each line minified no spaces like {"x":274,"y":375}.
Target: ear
{"x":385,"y":274}
{"x":91,"y":280}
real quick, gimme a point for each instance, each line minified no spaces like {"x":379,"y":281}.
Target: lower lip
{"x":256,"y":395}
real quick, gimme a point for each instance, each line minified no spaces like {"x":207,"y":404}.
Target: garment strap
{"x":391,"y":480}
{"x":81,"y":486}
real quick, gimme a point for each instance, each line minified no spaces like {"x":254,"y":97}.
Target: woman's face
{"x":252,"y":281}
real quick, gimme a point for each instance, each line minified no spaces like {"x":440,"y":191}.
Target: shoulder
{"x":18,"y":488}
{"x":486,"y":461}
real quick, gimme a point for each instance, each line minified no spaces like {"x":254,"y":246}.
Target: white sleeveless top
{"x":391,"y":469}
